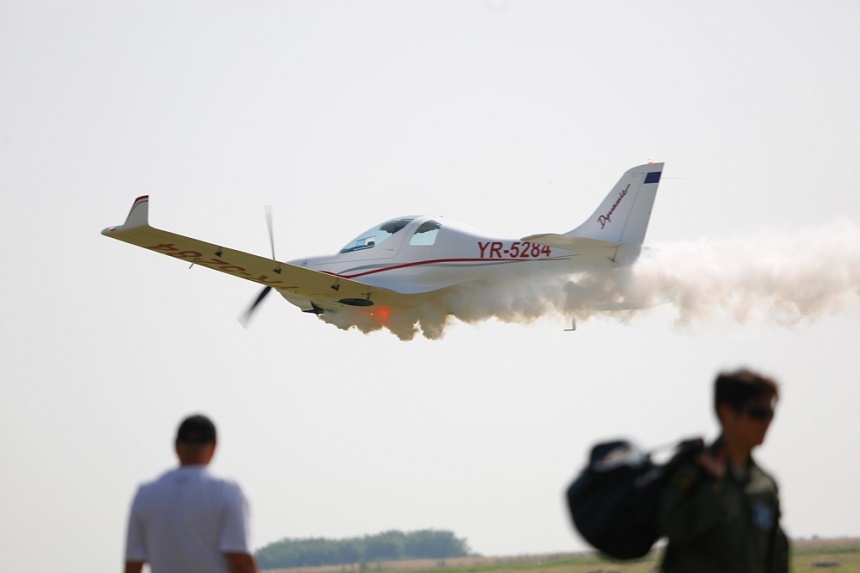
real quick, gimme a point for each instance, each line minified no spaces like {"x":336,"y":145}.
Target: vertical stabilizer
{"x":623,"y":216}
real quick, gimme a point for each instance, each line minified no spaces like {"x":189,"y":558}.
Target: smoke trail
{"x":770,"y":277}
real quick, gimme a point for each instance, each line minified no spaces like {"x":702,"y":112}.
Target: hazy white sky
{"x":513,"y":117}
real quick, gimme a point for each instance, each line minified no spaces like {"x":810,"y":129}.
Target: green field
{"x":841,"y":555}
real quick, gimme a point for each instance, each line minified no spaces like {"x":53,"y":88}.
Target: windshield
{"x":376,"y":235}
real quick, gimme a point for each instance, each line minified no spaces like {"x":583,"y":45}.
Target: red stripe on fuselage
{"x":437,"y":261}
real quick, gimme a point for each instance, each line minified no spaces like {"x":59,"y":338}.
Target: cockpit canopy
{"x":374,"y":236}
{"x":424,"y":235}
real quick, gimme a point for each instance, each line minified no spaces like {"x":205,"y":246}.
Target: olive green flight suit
{"x":725,"y":526}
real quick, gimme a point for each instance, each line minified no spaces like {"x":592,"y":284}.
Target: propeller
{"x":271,"y":232}
{"x":246,"y":316}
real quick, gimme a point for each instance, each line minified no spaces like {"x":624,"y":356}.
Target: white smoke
{"x":770,"y":277}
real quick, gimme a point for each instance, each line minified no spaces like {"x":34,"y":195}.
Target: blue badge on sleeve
{"x":763,"y":516}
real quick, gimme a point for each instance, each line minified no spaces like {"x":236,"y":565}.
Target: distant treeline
{"x":386,"y":546}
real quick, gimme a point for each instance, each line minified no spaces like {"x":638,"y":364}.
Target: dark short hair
{"x":739,"y":387}
{"x":196,"y":429}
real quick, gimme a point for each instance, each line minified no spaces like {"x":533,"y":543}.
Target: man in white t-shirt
{"x":188,"y":520}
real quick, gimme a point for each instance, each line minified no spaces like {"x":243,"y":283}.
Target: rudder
{"x":623,"y":215}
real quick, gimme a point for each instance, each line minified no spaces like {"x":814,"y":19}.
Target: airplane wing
{"x":284,"y":277}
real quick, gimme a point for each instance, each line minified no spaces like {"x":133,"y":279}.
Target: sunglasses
{"x":757,"y":412}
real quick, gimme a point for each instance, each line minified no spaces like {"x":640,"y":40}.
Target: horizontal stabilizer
{"x":575,"y":244}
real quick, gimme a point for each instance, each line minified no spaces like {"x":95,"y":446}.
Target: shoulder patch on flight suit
{"x":763,"y":515}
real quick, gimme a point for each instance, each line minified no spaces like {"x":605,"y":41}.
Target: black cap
{"x":196,"y":429}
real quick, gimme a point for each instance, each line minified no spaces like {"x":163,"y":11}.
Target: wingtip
{"x":138,"y":216}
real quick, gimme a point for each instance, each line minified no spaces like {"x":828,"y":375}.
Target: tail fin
{"x":623,"y":216}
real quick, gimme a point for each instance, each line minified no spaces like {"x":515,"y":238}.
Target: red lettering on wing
{"x":215,"y":264}
{"x":163,"y":247}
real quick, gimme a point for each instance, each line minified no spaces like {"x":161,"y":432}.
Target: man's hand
{"x":241,"y":563}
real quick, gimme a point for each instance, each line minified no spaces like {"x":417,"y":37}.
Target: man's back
{"x":186,"y":520}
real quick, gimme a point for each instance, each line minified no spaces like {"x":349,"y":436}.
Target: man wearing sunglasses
{"x":721,"y":513}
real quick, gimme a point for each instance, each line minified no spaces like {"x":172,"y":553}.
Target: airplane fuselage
{"x":409,"y":264}
{"x":407,"y":261}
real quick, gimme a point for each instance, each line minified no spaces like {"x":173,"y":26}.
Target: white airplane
{"x":403,"y":260}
